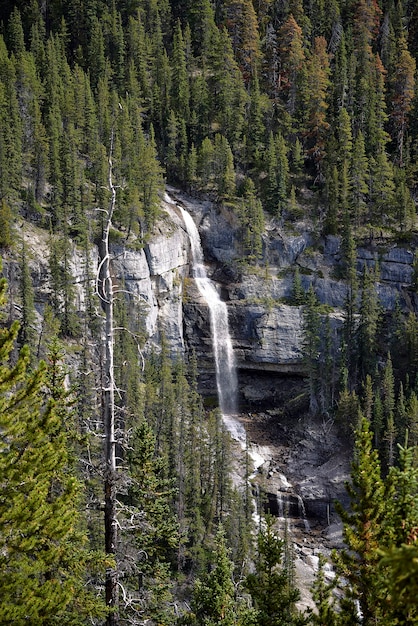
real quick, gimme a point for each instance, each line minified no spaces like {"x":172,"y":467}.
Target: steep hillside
{"x":288,"y":130}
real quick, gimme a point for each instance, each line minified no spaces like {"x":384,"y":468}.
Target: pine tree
{"x":332,"y":193}
{"x":403,"y":579}
{"x":150,"y":180}
{"x":317,"y":125}
{"x":43,"y":546}
{"x":149,"y":509}
{"x":241,"y":21}
{"x":345,"y":148}
{"x":252,"y":221}
{"x":255,"y":127}
{"x":382,"y":188}
{"x":270,"y":586}
{"x":63,"y":293}
{"x":11,"y":128}
{"x":6,"y":221}
{"x":224,"y":167}
{"x":26,"y":330}
{"x":292,"y":57}
{"x":388,"y":405}
{"x":402,"y":83}
{"x":15,"y":33}
{"x":214,"y":597}
{"x":228,"y":96}
{"x":322,"y":595}
{"x":180,"y":93}
{"x":358,"y":178}
{"x":277,"y":179}
{"x":368,"y":323}
{"x":362,"y":529}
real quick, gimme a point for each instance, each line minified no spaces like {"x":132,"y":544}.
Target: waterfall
{"x":226,"y":375}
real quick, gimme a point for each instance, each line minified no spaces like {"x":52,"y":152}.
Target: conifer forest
{"x":289,"y":128}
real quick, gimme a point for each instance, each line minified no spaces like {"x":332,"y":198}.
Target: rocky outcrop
{"x":154,"y":277}
{"x":267,"y":338}
{"x":265,"y":328}
{"x":266,"y":331}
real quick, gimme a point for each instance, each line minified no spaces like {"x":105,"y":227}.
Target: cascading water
{"x":226,"y":375}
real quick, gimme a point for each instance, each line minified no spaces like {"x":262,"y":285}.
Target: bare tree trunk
{"x":105,"y":290}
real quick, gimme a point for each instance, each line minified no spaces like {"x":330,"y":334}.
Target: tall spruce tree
{"x":362,"y":529}
{"x":44,"y":555}
{"x":271,"y":585}
{"x":214,"y":596}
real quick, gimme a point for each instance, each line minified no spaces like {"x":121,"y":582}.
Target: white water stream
{"x":226,"y":373}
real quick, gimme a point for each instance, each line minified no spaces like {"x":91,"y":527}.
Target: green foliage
{"x":291,"y":98}
{"x":214,"y":595}
{"x":271,"y":585}
{"x":44,"y":556}
{"x":6,"y":219}
{"x":26,"y":330}
{"x":298,"y":293}
{"x":149,"y":503}
{"x":252,"y":220}
{"x":382,"y":521}
{"x":62,"y":285}
{"x":322,"y":594}
{"x":311,"y":329}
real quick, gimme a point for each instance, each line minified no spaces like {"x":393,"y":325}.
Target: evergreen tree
{"x":180,"y":94}
{"x":11,"y":128}
{"x":368,"y":323}
{"x":316,"y":116}
{"x":156,"y":534}
{"x":322,"y":594}
{"x":388,"y":406}
{"x":44,"y":558}
{"x":271,"y":586}
{"x":345,"y":148}
{"x":402,"y":82}
{"x":6,"y":221}
{"x":26,"y":330}
{"x":62,"y":285}
{"x":403,"y":580}
{"x":228,"y":97}
{"x":362,"y":529}
{"x":224,"y":167}
{"x":292,"y":57}
{"x":252,"y":220}
{"x":214,"y":597}
{"x":255,"y":127}
{"x":358,"y":178}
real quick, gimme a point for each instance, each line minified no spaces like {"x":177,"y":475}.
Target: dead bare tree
{"x":105,"y":290}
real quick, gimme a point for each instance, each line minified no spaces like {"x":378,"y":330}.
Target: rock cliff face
{"x":265,"y":329}
{"x":154,"y":277}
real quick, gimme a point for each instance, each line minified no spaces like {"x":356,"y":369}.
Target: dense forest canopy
{"x":289,"y":110}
